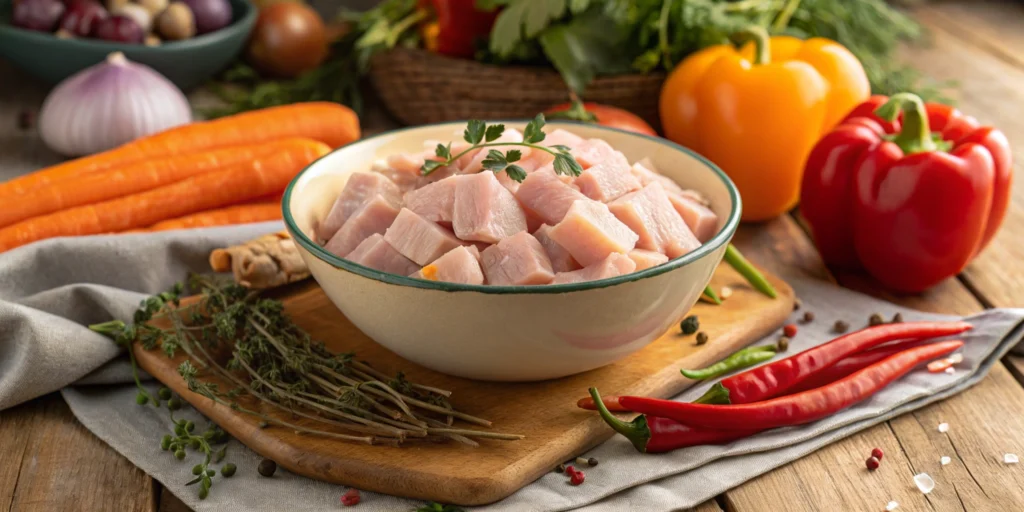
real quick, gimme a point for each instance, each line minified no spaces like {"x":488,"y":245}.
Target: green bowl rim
{"x":722,"y":237}
{"x":246,"y":19}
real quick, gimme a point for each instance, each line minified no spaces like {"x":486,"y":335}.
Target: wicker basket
{"x":420,"y":87}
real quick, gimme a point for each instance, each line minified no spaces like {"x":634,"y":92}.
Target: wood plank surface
{"x":450,"y":473}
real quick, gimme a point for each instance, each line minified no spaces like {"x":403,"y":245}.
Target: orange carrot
{"x":140,"y":177}
{"x":330,"y":123}
{"x":215,"y":189}
{"x":240,"y":214}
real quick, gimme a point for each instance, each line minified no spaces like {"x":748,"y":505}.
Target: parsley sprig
{"x":481,"y":135}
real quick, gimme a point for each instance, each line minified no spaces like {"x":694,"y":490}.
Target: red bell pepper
{"x":912,"y":206}
{"x":459,"y":25}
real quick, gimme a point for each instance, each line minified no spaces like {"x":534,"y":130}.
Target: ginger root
{"x":265,"y":262}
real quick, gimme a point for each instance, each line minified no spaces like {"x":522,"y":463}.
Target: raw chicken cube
{"x":547,"y":196}
{"x":558,"y":137}
{"x":561,"y":260}
{"x":699,"y":218}
{"x":373,"y":216}
{"x":484,"y":210}
{"x":516,"y":260}
{"x":607,"y":181}
{"x":459,"y":265}
{"x":511,"y":135}
{"x":375,"y":253}
{"x":403,"y":180}
{"x":510,"y":184}
{"x":594,"y":151}
{"x":419,"y":239}
{"x":646,"y":259}
{"x":650,"y":214}
{"x":435,"y":201}
{"x":359,"y":187}
{"x":646,"y":175}
{"x":613,"y":265}
{"x":590,"y":232}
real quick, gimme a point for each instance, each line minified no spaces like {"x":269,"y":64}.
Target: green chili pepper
{"x":742,"y":359}
{"x":751,"y":274}
{"x":709,"y":292}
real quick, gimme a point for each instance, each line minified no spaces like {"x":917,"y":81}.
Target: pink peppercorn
{"x":872,"y":463}
{"x":350,"y":498}
{"x":577,"y":478}
{"x":789,"y":330}
{"x":877,"y":453}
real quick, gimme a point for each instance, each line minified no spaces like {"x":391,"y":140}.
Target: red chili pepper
{"x":460,"y":25}
{"x":853,"y":363}
{"x":654,"y":434}
{"x":778,"y":378}
{"x":794,"y":409}
{"x":910,"y":200}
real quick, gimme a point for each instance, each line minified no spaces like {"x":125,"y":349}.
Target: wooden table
{"x":49,"y":462}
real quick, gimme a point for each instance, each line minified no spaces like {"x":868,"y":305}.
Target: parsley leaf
{"x":430,"y":166}
{"x":493,"y":132}
{"x":495,"y":161}
{"x":516,"y":173}
{"x":566,"y":165}
{"x":513,"y":155}
{"x":534,"y":131}
{"x":443,"y":151}
{"x":474,"y":131}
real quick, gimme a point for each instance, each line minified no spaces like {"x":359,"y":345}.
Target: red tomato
{"x":603,"y":115}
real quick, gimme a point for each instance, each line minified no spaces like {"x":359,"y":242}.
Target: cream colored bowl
{"x":510,"y":333}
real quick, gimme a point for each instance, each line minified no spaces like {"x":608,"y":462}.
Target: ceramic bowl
{"x":186,"y":63}
{"x":510,"y":333}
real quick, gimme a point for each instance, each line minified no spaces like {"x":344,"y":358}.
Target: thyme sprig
{"x":273,"y":362}
{"x":481,"y":135}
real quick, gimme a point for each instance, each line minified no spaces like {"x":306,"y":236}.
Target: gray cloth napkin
{"x":48,"y":290}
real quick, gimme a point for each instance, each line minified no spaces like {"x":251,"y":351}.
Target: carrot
{"x":330,"y":123}
{"x":140,"y":177}
{"x":215,"y":189}
{"x":240,"y":214}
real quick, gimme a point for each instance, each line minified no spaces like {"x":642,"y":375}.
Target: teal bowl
{"x":186,"y":63}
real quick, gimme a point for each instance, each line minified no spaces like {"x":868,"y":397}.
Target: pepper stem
{"x":915,"y":134}
{"x":762,"y":46}
{"x":717,"y":395}
{"x":636,"y":431}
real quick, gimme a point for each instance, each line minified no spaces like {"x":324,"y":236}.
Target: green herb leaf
{"x":562,"y":148}
{"x":566,"y":165}
{"x":589,"y":45}
{"x":513,"y":155}
{"x":516,"y":173}
{"x":495,"y":161}
{"x":430,"y":166}
{"x":534,"y":131}
{"x":443,"y":151}
{"x":474,"y":132}
{"x":493,"y":132}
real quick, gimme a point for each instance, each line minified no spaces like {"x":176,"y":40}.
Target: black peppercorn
{"x":690,"y":325}
{"x":782,"y":344}
{"x":840,"y":327}
{"x":897,"y":318}
{"x":808,"y":317}
{"x":267,"y":467}
{"x":702,"y":338}
{"x":592,"y":461}
{"x":875,"y":319}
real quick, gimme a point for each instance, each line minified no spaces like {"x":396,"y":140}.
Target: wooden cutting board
{"x":545,"y":412}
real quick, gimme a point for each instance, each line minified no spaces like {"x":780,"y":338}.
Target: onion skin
{"x":210,"y":15}
{"x":110,"y":104}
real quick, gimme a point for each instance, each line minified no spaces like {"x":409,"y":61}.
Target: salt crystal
{"x":892,"y":506}
{"x":956,"y":358}
{"x":924,"y":482}
{"x":726,"y":292}
{"x":950,"y":370}
{"x":1010,"y":458}
{"x":943,"y":427}
{"x":944,"y":460}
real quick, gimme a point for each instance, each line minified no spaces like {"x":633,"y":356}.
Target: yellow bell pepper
{"x":756,"y":112}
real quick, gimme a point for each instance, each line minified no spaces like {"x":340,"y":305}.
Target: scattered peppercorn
{"x":577,"y":478}
{"x":808,"y":317}
{"x":872,"y":463}
{"x":350,"y":498}
{"x":267,"y":467}
{"x":26,"y":120}
{"x":689,"y":325}
{"x":560,"y":468}
{"x":875,"y":319}
{"x":592,"y":461}
{"x":840,"y":327}
{"x":782,"y":344}
{"x":702,"y":338}
{"x":569,"y":470}
{"x":228,"y":470}
{"x":897,"y":318}
{"x":797,"y":303}
{"x":580,"y":461}
{"x":877,"y":453}
{"x":789,"y":330}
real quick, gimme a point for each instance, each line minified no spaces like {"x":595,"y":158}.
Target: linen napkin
{"x":49,"y":290}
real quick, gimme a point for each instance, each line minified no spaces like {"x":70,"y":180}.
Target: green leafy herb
{"x":481,"y":135}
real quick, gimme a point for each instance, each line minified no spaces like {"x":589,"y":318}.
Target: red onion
{"x":81,"y":17}
{"x":120,"y":29}
{"x":110,"y":104}
{"x":41,"y":15}
{"x":210,"y":15}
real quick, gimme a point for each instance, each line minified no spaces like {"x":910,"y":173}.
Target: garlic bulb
{"x":109,"y":104}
